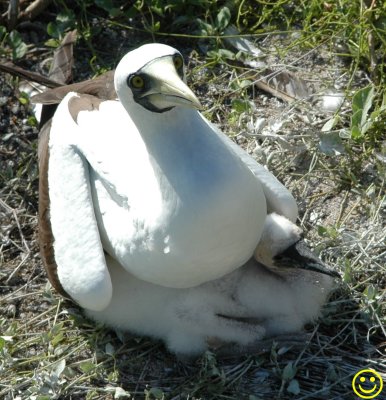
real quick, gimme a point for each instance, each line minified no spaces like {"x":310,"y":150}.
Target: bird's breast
{"x":183,"y":231}
{"x":178,"y":211}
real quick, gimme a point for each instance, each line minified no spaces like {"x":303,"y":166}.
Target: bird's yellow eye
{"x":137,"y":82}
{"x":178,"y":62}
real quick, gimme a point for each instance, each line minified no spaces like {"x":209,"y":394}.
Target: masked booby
{"x":149,"y":213}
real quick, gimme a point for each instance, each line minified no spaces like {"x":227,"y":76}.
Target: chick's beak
{"x":300,"y":256}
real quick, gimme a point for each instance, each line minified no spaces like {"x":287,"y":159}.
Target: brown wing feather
{"x":45,"y":230}
{"x":101,"y":87}
{"x":63,"y":61}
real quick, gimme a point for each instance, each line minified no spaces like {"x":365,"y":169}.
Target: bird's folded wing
{"x":101,"y":87}
{"x":279,"y":198}
{"x":45,"y":229}
{"x":81,"y":265}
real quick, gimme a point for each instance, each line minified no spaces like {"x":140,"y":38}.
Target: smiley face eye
{"x":178,"y":62}
{"x":136,"y":82}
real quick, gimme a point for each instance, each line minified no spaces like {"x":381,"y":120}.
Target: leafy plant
{"x":14,"y":41}
{"x":218,"y":25}
{"x":64,"y":22}
{"x":362,"y":120}
{"x":109,"y":6}
{"x":154,"y":393}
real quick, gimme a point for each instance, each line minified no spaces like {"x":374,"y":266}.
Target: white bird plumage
{"x":156,"y":216}
{"x":242,"y":307}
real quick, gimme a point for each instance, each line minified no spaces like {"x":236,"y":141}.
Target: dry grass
{"x":49,"y":351}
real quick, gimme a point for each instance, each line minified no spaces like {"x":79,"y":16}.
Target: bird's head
{"x":153,"y":77}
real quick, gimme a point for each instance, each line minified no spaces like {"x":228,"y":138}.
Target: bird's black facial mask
{"x":159,"y":85}
{"x":139,"y":92}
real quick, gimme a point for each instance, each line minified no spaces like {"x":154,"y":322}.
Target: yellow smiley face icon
{"x":367,"y":384}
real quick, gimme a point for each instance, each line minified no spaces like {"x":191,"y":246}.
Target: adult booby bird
{"x":150,"y":217}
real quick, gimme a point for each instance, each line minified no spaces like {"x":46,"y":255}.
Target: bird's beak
{"x":300,"y":256}
{"x":166,"y":88}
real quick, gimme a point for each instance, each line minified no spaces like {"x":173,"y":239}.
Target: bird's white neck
{"x":175,"y":138}
{"x":164,"y":128}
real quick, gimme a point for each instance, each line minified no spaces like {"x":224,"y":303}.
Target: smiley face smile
{"x":367,"y":391}
{"x":368,"y":377}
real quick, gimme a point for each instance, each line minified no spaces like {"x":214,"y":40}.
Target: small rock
{"x":332,"y":101}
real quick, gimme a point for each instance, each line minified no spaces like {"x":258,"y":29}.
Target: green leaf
{"x":226,"y":54}
{"x":57,"y":339}
{"x":221,"y":54}
{"x":205,"y":29}
{"x":289,"y":371}
{"x":87,"y":367}
{"x":293,"y":387}
{"x":3,"y":32}
{"x":361,"y":104}
{"x":370,"y":292}
{"x":57,"y":328}
{"x":357,"y":127}
{"x":331,"y":144}
{"x":52,"y":43}
{"x":222,"y":19}
{"x":66,"y":20}
{"x":24,"y":100}
{"x":245,"y":83}
{"x":19,"y":48}
{"x":330,"y":124}
{"x":356,"y":118}
{"x":53,"y":30}
{"x":237,"y":84}
{"x":361,"y":121}
{"x":155,"y":392}
{"x":328,"y":231}
{"x":356,"y":133}
{"x":363,"y":99}
{"x":240,"y":106}
{"x":59,"y":367}
{"x":108,"y":6}
{"x":156,"y":26}
{"x":19,"y":51}
{"x":109,"y":349}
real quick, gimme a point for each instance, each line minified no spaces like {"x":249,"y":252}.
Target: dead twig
{"x":13,"y":12}
{"x":15,"y":70}
{"x":34,"y":9}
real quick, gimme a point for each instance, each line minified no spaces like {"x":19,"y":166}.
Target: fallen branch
{"x":14,"y":70}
